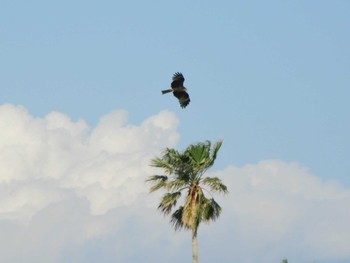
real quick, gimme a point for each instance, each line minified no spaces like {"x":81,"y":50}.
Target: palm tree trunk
{"x":194,"y":246}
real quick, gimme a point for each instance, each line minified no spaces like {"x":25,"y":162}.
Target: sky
{"x":81,"y":115}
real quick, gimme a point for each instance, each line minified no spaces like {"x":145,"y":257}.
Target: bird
{"x":178,"y":89}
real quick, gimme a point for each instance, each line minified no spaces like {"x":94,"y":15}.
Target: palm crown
{"x":184,"y":172}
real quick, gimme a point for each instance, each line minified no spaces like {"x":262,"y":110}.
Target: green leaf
{"x":215,"y":184}
{"x":157,"y":181}
{"x":169,"y":200}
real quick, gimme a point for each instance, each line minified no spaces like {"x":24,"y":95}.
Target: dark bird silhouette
{"x":178,"y":90}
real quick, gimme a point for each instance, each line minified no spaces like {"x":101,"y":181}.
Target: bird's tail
{"x":166,"y":91}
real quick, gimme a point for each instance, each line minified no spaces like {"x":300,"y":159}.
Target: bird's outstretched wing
{"x":178,"y":80}
{"x":183,"y":97}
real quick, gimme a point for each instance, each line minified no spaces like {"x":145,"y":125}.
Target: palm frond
{"x":176,"y":219}
{"x":163,"y":164}
{"x":215,"y":184}
{"x":158,"y":181}
{"x":211,"y":210}
{"x":169,"y":200}
{"x":176,"y":184}
{"x":173,"y":163}
{"x":215,"y":150}
{"x":199,"y":153}
{"x":202,"y":156}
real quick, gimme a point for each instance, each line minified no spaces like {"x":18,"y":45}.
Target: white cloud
{"x":280,"y":207}
{"x":42,"y":159}
{"x":72,"y":193}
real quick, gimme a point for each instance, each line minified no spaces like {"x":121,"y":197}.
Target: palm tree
{"x":184,"y":173}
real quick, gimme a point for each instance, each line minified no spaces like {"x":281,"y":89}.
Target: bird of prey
{"x":178,"y":90}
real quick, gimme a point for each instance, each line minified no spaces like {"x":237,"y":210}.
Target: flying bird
{"x":178,"y":89}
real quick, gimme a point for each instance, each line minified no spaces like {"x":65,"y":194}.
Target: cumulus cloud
{"x":74,"y":193}
{"x":45,"y":160}
{"x":278,"y":209}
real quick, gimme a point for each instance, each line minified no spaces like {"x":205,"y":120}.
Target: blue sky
{"x":270,"y":78}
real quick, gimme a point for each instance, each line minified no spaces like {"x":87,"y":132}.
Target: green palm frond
{"x":163,"y":164}
{"x":211,"y":210}
{"x":168,"y":201}
{"x":214,"y":152}
{"x":177,"y":184}
{"x":215,"y":184}
{"x":176,"y":219}
{"x":173,"y":163}
{"x":202,"y":156}
{"x":199,"y":153}
{"x":158,"y":181}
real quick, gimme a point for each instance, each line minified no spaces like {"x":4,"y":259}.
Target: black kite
{"x":178,"y":90}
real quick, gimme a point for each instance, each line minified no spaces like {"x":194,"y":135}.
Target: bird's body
{"x":178,"y":90}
